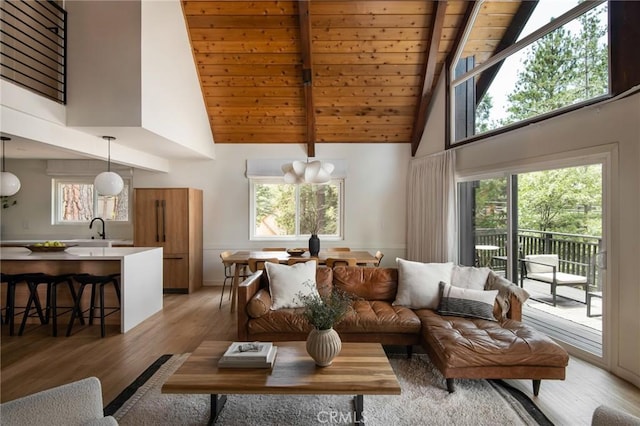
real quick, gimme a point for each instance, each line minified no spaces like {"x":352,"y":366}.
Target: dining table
{"x":240,"y":259}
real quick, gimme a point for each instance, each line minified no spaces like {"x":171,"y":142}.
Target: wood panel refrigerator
{"x":171,"y":218}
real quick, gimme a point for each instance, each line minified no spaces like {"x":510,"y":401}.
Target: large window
{"x":283,"y":211}
{"x":75,"y":201}
{"x":561,"y":63}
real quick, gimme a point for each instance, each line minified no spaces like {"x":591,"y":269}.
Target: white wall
{"x":30,"y":218}
{"x":104,"y":86}
{"x":613,"y":128}
{"x":375,"y":196}
{"x":172,"y":100}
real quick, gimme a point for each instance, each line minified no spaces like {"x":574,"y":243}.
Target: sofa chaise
{"x":501,"y":347}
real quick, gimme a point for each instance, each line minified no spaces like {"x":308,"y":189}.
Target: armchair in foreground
{"x":76,"y":403}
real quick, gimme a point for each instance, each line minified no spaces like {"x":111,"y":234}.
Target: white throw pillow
{"x":469,"y":277}
{"x":418,"y":283}
{"x":288,"y":283}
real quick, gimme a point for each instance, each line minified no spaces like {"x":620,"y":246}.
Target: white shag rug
{"x":424,"y":400}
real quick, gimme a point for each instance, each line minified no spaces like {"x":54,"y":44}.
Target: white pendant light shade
{"x":108,"y":183}
{"x":10,"y":184}
{"x":310,"y":172}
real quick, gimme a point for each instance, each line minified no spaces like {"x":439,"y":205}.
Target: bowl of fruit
{"x":48,"y":246}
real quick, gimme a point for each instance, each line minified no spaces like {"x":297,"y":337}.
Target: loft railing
{"x":33,"y":48}
{"x":576,"y":251}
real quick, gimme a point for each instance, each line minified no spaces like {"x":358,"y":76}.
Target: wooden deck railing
{"x":575,"y":251}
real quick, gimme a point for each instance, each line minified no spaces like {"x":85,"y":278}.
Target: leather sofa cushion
{"x":379,"y":317}
{"x":259,"y":304}
{"x":367,"y":283}
{"x":282,"y":321}
{"x":366,"y":317}
{"x":470,"y":342}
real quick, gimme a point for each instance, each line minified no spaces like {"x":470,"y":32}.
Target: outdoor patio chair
{"x":544,"y":268}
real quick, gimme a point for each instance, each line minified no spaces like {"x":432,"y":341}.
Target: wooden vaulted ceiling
{"x":353,"y":71}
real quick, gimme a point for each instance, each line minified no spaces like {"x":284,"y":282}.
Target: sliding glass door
{"x":543,"y":230}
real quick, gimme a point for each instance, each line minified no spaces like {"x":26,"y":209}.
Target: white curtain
{"x":431,"y":199}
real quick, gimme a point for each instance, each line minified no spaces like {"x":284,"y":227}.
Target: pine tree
{"x":561,"y":69}
{"x":546,"y":80}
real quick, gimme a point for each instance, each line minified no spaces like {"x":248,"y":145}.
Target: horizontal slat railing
{"x":575,"y":251}
{"x":33,"y":46}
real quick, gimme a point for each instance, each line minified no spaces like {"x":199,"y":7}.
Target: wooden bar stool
{"x":13,"y":280}
{"x":51,"y":309}
{"x":94,"y":281}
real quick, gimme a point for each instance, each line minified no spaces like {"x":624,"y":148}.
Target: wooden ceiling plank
{"x":371,"y":21}
{"x":235,"y":22}
{"x":307,"y":73}
{"x":367,"y":7}
{"x":238,"y":7}
{"x":363,"y":46}
{"x":368,"y":58}
{"x":429,"y":75}
{"x":418,"y":33}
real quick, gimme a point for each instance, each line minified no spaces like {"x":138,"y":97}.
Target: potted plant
{"x":323,"y":313}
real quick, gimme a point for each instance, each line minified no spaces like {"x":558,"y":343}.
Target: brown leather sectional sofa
{"x":460,"y":347}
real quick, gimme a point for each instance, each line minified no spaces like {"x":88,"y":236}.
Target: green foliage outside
{"x":318,"y":208}
{"x":565,"y":200}
{"x":560,"y":69}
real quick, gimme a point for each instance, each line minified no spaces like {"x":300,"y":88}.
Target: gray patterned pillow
{"x":465,"y":302}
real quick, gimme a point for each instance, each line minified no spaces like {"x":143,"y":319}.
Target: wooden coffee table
{"x":360,"y":369}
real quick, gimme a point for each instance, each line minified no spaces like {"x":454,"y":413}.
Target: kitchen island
{"x":140,"y":269}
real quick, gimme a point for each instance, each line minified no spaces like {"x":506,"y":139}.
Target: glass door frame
{"x":606,"y":156}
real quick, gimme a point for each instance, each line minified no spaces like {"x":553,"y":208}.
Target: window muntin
{"x":562,"y":69}
{"x":75,"y":201}
{"x":284,"y":211}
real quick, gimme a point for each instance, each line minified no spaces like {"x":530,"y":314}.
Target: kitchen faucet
{"x":104,"y":232}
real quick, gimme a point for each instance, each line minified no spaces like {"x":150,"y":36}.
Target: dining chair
{"x":229,"y":273}
{"x":256,"y":264}
{"x":347,"y":261}
{"x":294,"y":260}
{"x":379,"y":255}
{"x":274,"y":249}
{"x":338,"y":249}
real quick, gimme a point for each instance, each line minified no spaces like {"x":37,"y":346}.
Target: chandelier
{"x":315,"y":172}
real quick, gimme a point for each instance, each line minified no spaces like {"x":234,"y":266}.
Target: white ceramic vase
{"x":323,"y":346}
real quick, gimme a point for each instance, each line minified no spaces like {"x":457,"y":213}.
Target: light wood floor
{"x":37,"y":361}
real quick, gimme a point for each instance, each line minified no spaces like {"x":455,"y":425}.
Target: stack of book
{"x":249,"y":355}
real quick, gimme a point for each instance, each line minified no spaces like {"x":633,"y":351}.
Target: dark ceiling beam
{"x":307,"y":74}
{"x":510,"y":36}
{"x":428,"y":75}
{"x":624,"y":38}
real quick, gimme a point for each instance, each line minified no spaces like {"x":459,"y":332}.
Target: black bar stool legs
{"x":52,"y":309}
{"x":12,"y":281}
{"x":100,"y":281}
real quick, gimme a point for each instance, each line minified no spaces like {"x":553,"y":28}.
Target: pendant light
{"x":108,"y":183}
{"x":9,"y":183}
{"x":310,"y":172}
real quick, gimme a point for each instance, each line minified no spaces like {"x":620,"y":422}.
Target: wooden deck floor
{"x":567,"y":321}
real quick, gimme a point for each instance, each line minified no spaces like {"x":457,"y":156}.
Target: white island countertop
{"x":140,"y":273}
{"x":72,"y":253}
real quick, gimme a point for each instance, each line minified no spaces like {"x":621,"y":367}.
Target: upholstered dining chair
{"x":347,"y":261}
{"x":228,"y":273}
{"x":338,"y":249}
{"x":256,"y":264}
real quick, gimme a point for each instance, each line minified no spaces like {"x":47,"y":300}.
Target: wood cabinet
{"x":171,"y":218}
